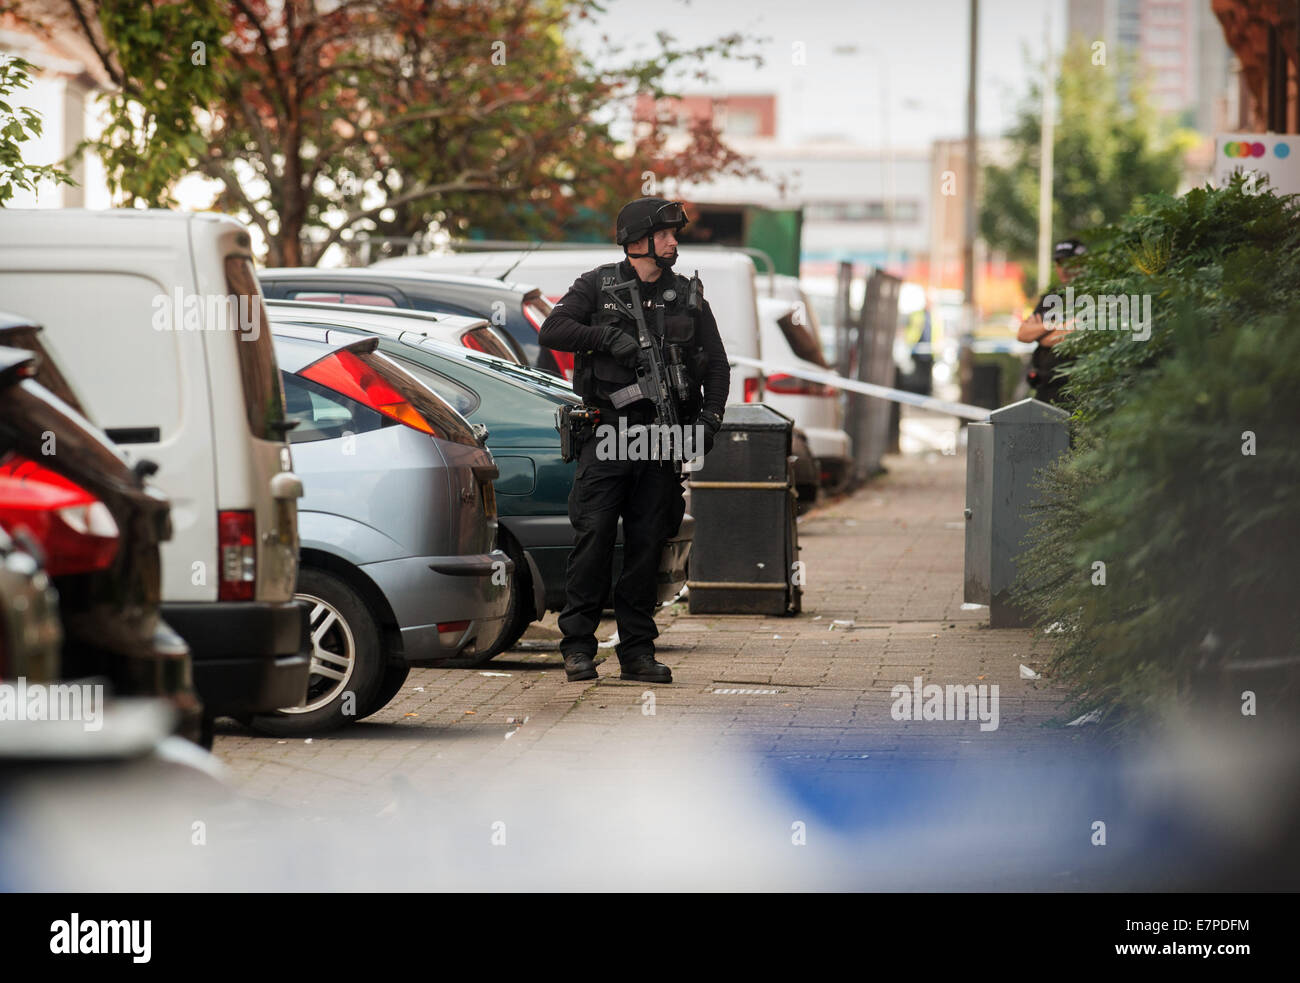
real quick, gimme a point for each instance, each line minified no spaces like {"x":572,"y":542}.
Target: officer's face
{"x":665,"y":242}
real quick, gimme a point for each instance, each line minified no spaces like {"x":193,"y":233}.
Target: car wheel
{"x":390,"y":684}
{"x":519,"y":615}
{"x":207,"y":731}
{"x":346,"y":663}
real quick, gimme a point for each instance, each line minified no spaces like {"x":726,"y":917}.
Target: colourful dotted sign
{"x":1268,"y":155}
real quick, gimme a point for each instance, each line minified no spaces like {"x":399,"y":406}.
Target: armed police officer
{"x":1045,"y":363}
{"x":631,"y":372}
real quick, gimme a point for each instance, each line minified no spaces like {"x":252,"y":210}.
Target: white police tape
{"x":963,"y":410}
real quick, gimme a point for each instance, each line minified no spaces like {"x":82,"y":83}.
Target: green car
{"x":517,"y":406}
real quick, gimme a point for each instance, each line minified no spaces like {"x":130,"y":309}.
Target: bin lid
{"x":754,"y":416}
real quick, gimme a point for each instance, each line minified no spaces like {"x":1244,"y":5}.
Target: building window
{"x":868,"y":210}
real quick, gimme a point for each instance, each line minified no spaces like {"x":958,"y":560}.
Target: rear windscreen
{"x":462,"y":399}
{"x":47,"y":373}
{"x":263,"y":397}
{"x":430,"y":405}
{"x":801,"y":337}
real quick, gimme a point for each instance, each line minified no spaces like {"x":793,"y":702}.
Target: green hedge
{"x":1200,"y":541}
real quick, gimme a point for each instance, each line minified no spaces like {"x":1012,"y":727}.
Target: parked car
{"x":455,"y":330}
{"x":727,"y":275}
{"x":517,"y":406}
{"x":398,"y":527}
{"x":30,"y":633}
{"x":156,"y":321}
{"x":64,"y":487}
{"x":815,"y":407}
{"x":513,"y":312}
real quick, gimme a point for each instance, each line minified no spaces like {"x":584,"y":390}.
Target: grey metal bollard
{"x":1003,"y":457}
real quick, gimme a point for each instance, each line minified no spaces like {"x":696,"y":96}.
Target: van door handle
{"x":286,"y":484}
{"x":134,"y":435}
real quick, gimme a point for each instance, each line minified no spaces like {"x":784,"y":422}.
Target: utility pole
{"x":1047,"y":136}
{"x":886,"y":148}
{"x":965,"y":366}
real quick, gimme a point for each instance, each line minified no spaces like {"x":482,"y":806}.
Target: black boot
{"x":644,"y":669}
{"x":578,"y":666}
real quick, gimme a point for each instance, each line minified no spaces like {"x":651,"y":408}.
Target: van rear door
{"x":115,"y":322}
{"x":254,"y":464}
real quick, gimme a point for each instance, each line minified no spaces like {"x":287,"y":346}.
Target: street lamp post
{"x":887,"y":187}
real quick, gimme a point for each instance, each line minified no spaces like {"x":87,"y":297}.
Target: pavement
{"x":780,"y":759}
{"x":882,"y":606}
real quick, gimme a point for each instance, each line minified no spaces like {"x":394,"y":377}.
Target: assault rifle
{"x":652,"y":378}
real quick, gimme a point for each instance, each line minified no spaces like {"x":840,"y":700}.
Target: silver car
{"x":398,"y":526}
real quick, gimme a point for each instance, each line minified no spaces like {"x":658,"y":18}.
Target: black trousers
{"x":648,"y":497}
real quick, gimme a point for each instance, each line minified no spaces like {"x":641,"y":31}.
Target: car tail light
{"x":563,"y":360}
{"x":75,"y":529}
{"x":534,"y":314}
{"x":485,"y":341}
{"x":751,"y":389}
{"x":791,"y":385}
{"x":349,"y":376}
{"x":446,"y":626}
{"x":237,"y":548}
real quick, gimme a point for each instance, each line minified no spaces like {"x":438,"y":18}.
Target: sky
{"x":920,"y":44}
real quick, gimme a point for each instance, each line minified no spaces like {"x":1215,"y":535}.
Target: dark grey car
{"x":515,"y":311}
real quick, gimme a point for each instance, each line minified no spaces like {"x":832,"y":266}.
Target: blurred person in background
{"x":1045,"y":362}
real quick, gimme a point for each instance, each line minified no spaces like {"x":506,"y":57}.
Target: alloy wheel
{"x":333,"y":654}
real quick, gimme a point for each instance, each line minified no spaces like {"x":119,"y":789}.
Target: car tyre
{"x":519,"y":615}
{"x":390,"y":684}
{"x":207,"y":735}
{"x":346,"y":658}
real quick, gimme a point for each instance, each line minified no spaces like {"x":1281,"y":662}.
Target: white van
{"x":728,"y":279}
{"x":790,"y":341}
{"x":156,"y":319}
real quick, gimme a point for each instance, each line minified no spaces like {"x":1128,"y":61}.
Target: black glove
{"x":620,"y":345}
{"x":712,"y":423}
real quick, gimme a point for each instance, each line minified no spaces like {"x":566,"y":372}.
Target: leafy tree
{"x":1185,"y":475}
{"x":156,"y":54}
{"x":17,"y":126}
{"x":382,"y":116}
{"x":1110,"y":148}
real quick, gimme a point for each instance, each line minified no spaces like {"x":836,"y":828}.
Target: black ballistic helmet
{"x":638,"y":219}
{"x":1067,"y":249}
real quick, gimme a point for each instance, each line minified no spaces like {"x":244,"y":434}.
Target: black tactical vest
{"x":596,"y":374}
